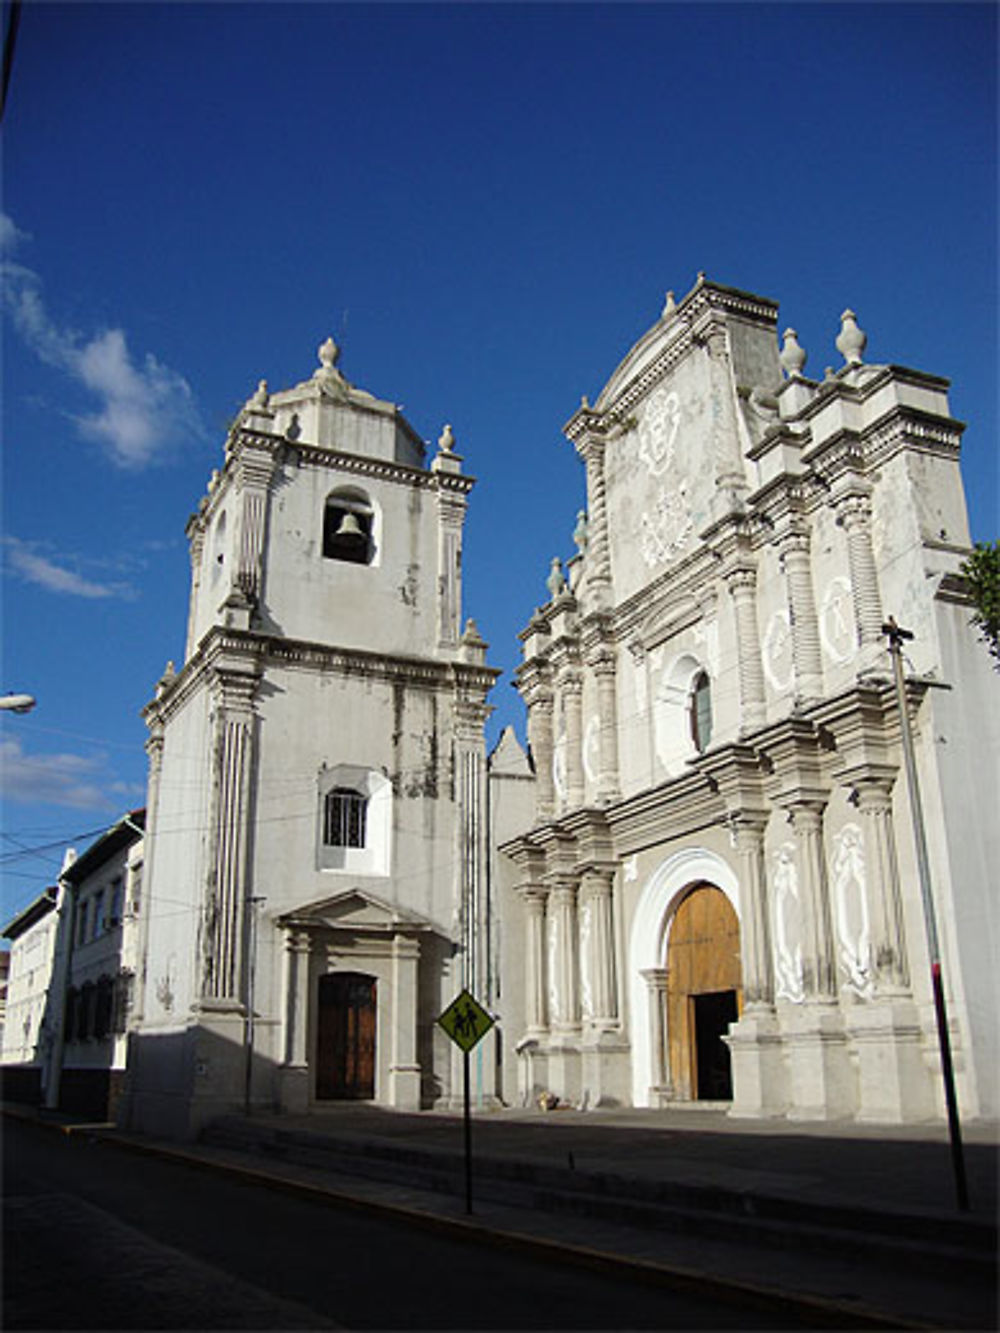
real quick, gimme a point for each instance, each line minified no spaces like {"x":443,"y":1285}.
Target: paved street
{"x":99,"y":1239}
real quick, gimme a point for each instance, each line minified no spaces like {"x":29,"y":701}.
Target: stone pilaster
{"x":755,"y":932}
{"x":818,"y":966}
{"x":451,"y":508}
{"x":591,"y":447}
{"x":570,"y":686}
{"x":661,"y":1089}
{"x":470,"y":841}
{"x":742,"y":583}
{"x":154,"y":750}
{"x":564,"y":981}
{"x":603,"y":666}
{"x":541,"y":707}
{"x":598,"y":945}
{"x":253,"y":473}
{"x":885,"y":903}
{"x":224,"y":929}
{"x":404,"y":1069}
{"x":534,"y":897}
{"x":196,"y":537}
{"x":807,"y":656}
{"x":730,"y":469}
{"x":295,"y":1067}
{"x":854,"y":514}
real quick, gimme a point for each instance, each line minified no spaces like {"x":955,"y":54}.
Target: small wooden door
{"x":345,"y":1037}
{"x":704,"y":993}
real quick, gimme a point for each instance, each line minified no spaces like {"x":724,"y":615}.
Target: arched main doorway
{"x":704,"y":993}
{"x":345,"y":1037}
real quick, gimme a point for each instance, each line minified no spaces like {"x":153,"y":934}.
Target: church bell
{"x":350,"y":530}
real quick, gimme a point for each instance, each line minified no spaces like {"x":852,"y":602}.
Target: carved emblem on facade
{"x":586,"y":990}
{"x":555,"y":1010}
{"x":665,"y":532}
{"x":658,"y":431}
{"x":591,"y":747}
{"x":836,"y":621}
{"x":851,"y":906}
{"x":788,"y":980}
{"x":779,"y":663}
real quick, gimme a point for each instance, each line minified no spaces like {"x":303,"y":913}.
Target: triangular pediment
{"x":355,"y":910}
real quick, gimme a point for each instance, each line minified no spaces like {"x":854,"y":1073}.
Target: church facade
{"x":316,"y":839}
{"x":717,"y":893}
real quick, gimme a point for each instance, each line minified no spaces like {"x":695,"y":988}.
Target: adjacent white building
{"x":717,"y":892}
{"x":316,"y":848}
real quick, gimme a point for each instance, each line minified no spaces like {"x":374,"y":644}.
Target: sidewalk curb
{"x":823,"y":1312}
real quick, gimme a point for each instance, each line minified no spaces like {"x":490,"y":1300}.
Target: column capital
{"x":656,"y":978}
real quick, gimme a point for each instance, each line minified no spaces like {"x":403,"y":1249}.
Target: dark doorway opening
{"x":713,"y":1014}
{"x":345,"y":1037}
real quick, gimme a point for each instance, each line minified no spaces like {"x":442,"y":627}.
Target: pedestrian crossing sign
{"x":465,"y":1021}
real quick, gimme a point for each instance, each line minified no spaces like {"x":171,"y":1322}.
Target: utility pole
{"x":897,"y":637}
{"x":251,"y":978}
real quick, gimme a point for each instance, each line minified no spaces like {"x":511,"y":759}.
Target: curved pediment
{"x":354,"y":910}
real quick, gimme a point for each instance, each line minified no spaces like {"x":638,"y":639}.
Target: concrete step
{"x":944,"y":1243}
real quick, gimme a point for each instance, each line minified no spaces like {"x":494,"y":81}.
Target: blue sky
{"x":485,"y":205}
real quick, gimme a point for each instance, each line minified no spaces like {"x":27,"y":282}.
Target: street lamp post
{"x":897,"y":637}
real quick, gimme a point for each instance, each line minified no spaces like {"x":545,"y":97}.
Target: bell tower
{"x":317,"y":765}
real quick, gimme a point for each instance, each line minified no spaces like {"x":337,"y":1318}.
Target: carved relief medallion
{"x":836,"y":621}
{"x":586,"y":991}
{"x":591,"y":747}
{"x":779,"y":663}
{"x":788,"y":980}
{"x":658,"y":429}
{"x":665,"y":532}
{"x":851,"y":906}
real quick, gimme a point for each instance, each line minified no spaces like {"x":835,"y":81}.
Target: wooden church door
{"x":704,"y":994}
{"x":345,"y":1037}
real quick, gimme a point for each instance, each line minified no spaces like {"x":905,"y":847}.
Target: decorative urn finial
{"x":329,"y":354}
{"x":851,"y":341}
{"x":446,"y":442}
{"x":670,"y":305}
{"x":261,"y":397}
{"x":580,"y":531}
{"x":793,"y":355}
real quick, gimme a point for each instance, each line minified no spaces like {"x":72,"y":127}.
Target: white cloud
{"x":55,"y":779}
{"x":24,"y":560}
{"x":143,"y":410}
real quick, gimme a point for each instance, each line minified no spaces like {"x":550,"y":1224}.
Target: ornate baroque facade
{"x":316,"y":843}
{"x":718,"y":894}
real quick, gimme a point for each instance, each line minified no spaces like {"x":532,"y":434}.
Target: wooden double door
{"x":345,"y":1037}
{"x":704,"y":994}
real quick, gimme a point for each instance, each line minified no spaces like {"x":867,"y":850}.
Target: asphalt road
{"x":99,"y":1238}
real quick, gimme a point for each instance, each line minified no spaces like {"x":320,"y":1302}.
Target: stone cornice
{"x":400,"y":473}
{"x":676,"y":808}
{"x":251,"y":653}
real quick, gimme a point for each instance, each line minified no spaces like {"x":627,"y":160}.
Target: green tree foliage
{"x":982,"y":570}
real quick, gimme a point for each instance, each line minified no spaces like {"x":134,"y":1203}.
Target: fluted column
{"x":854,"y":514}
{"x":608,"y":788}
{"x":818,"y":966}
{"x":598,"y":940}
{"x":755,"y":931}
{"x":742,"y":584}
{"x":535,"y":981}
{"x":806,"y":651}
{"x":254,"y":471}
{"x":154,"y":749}
{"x":226,"y":891}
{"x":196,"y":536}
{"x":564,"y":984}
{"x":451,"y":508}
{"x":885,"y":904}
{"x":661,"y":1087}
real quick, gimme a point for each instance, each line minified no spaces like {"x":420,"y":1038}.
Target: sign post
{"x":466,"y":1023}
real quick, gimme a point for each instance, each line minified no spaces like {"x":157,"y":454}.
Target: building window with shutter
{"x":344,"y":818}
{"x":701,"y":712}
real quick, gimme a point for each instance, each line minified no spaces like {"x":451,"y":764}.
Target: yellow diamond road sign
{"x":465,"y":1021}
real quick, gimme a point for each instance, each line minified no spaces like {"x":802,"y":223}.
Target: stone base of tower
{"x":293,"y":1089}
{"x":822,"y":1083}
{"x":893,"y":1081}
{"x":565,"y":1071}
{"x":756,"y":1051}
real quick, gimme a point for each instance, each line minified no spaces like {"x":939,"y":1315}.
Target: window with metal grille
{"x":344,"y":812}
{"x":701,"y":712}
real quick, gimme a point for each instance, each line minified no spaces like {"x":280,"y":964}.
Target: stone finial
{"x":329,"y":354}
{"x":793,"y":355}
{"x":446,"y":443}
{"x":556,"y":582}
{"x":69,"y":858}
{"x":261,"y":397}
{"x":851,"y":341}
{"x":829,"y":375}
{"x":580,"y":531}
{"x":471,"y":634}
{"x":585,"y":403}
{"x":670,"y":305}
